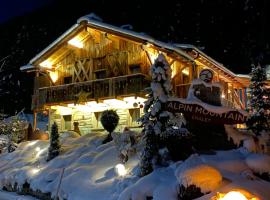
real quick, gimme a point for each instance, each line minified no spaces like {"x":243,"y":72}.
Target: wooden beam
{"x":149,"y":57}
{"x":35,"y":120}
{"x":170,"y":63}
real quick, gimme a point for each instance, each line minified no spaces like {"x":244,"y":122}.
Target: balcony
{"x":101,"y":88}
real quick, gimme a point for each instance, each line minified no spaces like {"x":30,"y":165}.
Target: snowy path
{"x":13,"y":196}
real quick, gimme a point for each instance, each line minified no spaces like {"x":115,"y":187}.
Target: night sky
{"x":13,"y":8}
{"x":235,"y":33}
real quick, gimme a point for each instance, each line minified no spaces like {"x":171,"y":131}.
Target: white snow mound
{"x":259,"y":163}
{"x":194,"y":172}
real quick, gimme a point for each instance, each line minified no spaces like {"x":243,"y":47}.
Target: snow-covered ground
{"x":13,"y":196}
{"x":88,"y":171}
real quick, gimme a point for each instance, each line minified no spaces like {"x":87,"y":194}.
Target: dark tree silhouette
{"x":54,"y":148}
{"x":109,"y":120}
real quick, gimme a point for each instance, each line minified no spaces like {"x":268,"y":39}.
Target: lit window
{"x":67,"y":122}
{"x":134,"y":116}
{"x":98,"y":117}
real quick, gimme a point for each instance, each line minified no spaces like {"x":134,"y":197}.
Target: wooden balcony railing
{"x":101,"y":88}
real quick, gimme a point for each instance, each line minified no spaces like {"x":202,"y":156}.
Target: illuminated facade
{"x":94,"y":66}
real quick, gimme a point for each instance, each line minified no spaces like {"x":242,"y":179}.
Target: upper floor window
{"x":101,"y":74}
{"x":67,"y":79}
{"x":134,"y":69}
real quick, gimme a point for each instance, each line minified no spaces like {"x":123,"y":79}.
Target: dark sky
{"x":13,"y":8}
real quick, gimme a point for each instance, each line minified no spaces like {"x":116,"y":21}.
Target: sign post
{"x":205,"y":113}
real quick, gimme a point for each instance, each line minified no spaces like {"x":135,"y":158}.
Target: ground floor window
{"x":134,"y":116}
{"x":67,"y":122}
{"x":97,"y":118}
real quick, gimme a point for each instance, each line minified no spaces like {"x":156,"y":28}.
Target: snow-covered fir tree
{"x":259,"y":119}
{"x":156,"y":118}
{"x":54,"y":148}
{"x":12,"y":131}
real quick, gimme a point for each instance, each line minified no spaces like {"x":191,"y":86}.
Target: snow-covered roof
{"x":217,"y":64}
{"x":107,"y":27}
{"x":26,"y":67}
{"x":244,"y":76}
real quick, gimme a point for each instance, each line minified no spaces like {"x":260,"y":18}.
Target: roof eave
{"x":101,"y":25}
{"x":27,"y":67}
{"x":54,"y":43}
{"x":208,"y":57}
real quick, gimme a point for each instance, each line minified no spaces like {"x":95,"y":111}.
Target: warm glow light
{"x":186,"y":71}
{"x":115,"y":103}
{"x":91,"y":106}
{"x":83,"y":108}
{"x":97,"y":107}
{"x":234,"y":195}
{"x":40,"y":152}
{"x":148,"y":45}
{"x":71,"y":105}
{"x":174,"y":70}
{"x":120,"y":170}
{"x":35,"y":170}
{"x":91,"y":103}
{"x":46,"y":64}
{"x":76,"y":41}
{"x":54,"y":76}
{"x":32,"y":143}
{"x":62,"y":110}
{"x":153,"y":56}
{"x":37,"y":149}
{"x":134,"y":99}
{"x":223,"y":96}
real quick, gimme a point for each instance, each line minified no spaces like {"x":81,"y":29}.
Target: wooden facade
{"x":93,"y":62}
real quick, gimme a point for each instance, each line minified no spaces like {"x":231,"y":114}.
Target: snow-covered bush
{"x":109,"y":120}
{"x":259,"y":164}
{"x":54,"y":148}
{"x":178,"y":141}
{"x":13,"y":129}
{"x":195,"y":172}
{"x":251,"y":142}
{"x":127,"y":143}
{"x":189,"y":192}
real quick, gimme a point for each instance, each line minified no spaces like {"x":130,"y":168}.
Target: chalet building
{"x":95,"y":66}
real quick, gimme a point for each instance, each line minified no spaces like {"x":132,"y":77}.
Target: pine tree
{"x":259,"y":102}
{"x":155,"y":119}
{"x":54,"y":148}
{"x":109,"y":120}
